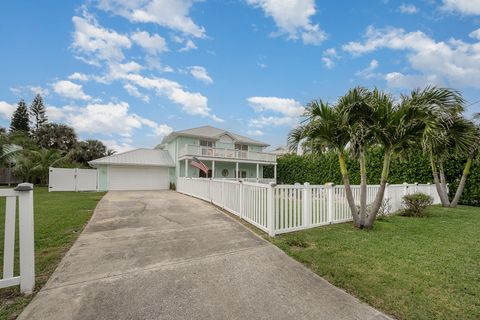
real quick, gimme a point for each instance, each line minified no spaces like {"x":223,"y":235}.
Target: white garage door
{"x":137,"y":178}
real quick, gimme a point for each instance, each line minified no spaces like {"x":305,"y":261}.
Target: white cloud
{"x":133,"y":91}
{"x":466,"y":7}
{"x":68,"y":89}
{"x":192,"y":103}
{"x":22,"y":90}
{"x":368,"y":72}
{"x":293,"y":18}
{"x":454,"y":63}
{"x":78,"y":76}
{"x":288,"y":107}
{"x":408,"y":9}
{"x":113,"y":119}
{"x":6,"y":109}
{"x":189,"y":45}
{"x":256,"y":133}
{"x":285,"y":111}
{"x":173,"y":14}
{"x":475,"y":34}
{"x":153,"y":44}
{"x":93,"y":42}
{"x":200,"y":73}
{"x":118,"y":146}
{"x":329,"y":57}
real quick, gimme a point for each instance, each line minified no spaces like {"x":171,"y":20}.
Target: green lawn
{"x":59,"y":219}
{"x":411,"y":268}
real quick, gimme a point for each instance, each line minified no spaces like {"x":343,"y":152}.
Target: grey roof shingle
{"x":138,"y":157}
{"x":212,"y":133}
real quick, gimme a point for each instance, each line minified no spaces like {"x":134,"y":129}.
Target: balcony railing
{"x":194,"y":150}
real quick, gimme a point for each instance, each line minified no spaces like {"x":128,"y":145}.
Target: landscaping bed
{"x":410,"y":268}
{"x":59,"y":218}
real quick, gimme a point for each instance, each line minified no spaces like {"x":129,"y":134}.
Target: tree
{"x":56,"y":136}
{"x":88,"y":150}
{"x":451,"y":135}
{"x":38,"y":112}
{"x":20,"y":118}
{"x":361,"y":119}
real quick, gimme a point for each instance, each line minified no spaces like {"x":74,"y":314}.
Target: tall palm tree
{"x":451,"y":134}
{"x":324,"y":128}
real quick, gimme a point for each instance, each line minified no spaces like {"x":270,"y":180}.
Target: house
{"x":280,"y":151}
{"x":226,"y":154}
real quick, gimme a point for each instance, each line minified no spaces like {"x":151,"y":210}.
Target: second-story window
{"x":206,"y":147}
{"x":242,"y":150}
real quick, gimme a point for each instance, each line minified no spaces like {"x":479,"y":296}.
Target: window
{"x":206,"y":147}
{"x":241,"y":150}
{"x":241,"y":174}
{"x":202,"y":174}
{"x":205,"y":143}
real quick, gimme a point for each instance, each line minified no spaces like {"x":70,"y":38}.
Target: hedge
{"x":413,"y":167}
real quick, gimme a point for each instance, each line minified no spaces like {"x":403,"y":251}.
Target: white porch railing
{"x":26,"y":277}
{"x":279,"y":209}
{"x":200,"y":151}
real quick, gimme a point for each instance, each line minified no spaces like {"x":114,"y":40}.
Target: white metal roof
{"x":138,"y":157}
{"x":212,"y":133}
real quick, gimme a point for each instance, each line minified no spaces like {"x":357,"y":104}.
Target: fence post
{"x":307,"y":205}
{"x":26,"y":235}
{"x":330,"y":207}
{"x":386,"y":194}
{"x":270,"y":210}
{"x":9,"y":244}
{"x":405,"y":188}
{"x":416,"y":187}
{"x":241,"y":191}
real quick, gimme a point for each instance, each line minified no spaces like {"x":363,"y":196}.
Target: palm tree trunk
{"x":372,"y":215}
{"x":348,"y":189}
{"x":438,"y":186}
{"x":363,"y":189}
{"x":443,"y":183}
{"x":461,"y":185}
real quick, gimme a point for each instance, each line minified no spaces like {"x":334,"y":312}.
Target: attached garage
{"x":140,"y":169}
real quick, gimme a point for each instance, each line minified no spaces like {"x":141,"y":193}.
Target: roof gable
{"x":212,"y":133}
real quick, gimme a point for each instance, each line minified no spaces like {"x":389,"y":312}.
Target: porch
{"x":227,"y":169}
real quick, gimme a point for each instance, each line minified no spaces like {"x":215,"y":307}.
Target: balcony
{"x":200,"y":151}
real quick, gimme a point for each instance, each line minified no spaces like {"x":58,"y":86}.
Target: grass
{"x":59,"y":219}
{"x":411,"y":268}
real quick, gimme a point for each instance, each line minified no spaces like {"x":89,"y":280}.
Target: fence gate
{"x":66,"y":179}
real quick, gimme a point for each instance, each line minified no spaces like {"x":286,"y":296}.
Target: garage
{"x":139,"y":169}
{"x":137,"y":178}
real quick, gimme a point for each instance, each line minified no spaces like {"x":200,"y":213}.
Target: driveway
{"x":164,"y":255}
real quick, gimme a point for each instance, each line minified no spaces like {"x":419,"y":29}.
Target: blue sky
{"x":129,"y":72}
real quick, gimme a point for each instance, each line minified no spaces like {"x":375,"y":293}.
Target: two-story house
{"x":227,"y":155}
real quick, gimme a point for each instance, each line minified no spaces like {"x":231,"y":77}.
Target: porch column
{"x":186,"y":168}
{"x":213,"y":169}
{"x":236,"y":170}
{"x":275,"y":172}
{"x":258,"y":170}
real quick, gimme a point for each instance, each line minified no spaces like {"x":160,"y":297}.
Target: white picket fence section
{"x":72,"y":179}
{"x":26,"y":278}
{"x":279,"y":209}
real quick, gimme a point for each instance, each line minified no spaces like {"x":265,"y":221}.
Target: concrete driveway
{"x":163,"y":255}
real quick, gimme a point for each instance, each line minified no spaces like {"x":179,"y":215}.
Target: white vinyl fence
{"x":26,"y":275}
{"x":66,"y":179}
{"x":279,"y":209}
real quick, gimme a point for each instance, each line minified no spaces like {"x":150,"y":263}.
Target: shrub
{"x":416,"y":204}
{"x":173,"y":186}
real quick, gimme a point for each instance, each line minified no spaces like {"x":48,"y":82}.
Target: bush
{"x":416,"y":204}
{"x":413,"y":166}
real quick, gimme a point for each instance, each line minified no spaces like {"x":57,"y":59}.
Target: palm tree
{"x":324,"y":128}
{"x":450,"y":135}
